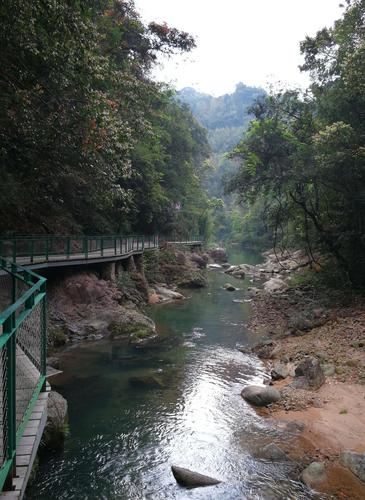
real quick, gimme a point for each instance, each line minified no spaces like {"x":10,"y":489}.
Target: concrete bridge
{"x":23,"y":333}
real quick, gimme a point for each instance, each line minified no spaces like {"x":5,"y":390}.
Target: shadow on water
{"x":133,"y":412}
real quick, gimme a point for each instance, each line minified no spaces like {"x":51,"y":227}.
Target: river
{"x":124,"y":437}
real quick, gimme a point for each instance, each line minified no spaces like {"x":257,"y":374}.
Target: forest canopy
{"x":88,"y":142}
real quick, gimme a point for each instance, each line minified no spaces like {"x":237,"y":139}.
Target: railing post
{"x":68,"y":247}
{"x":9,"y":325}
{"x":143,"y":242}
{"x":31,"y":250}
{"x":47,"y":248}
{"x":102,"y":246}
{"x":44,"y":333}
{"x":14,"y":250}
{"x":115,"y":245}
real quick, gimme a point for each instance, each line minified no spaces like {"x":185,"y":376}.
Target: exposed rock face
{"x":84,"y":306}
{"x":218,"y":255}
{"x":195,"y":280}
{"x":314,"y":474}
{"x":200,"y":260}
{"x":355,"y":462}
{"x":138,"y":327}
{"x":56,"y":425}
{"x":191,"y":479}
{"x":309,"y":374}
{"x":260,"y":396}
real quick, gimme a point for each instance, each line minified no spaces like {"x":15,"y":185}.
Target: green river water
{"x":123,"y":439}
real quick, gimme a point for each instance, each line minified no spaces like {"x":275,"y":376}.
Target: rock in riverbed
{"x":260,"y":395}
{"x":280,"y":371}
{"x":314,"y":474}
{"x":191,"y":479}
{"x":309,"y":374}
{"x":229,"y":287}
{"x":355,"y":462}
{"x":272,"y":452}
{"x":167,"y":294}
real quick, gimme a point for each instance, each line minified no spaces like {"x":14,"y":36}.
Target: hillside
{"x":225,"y":116}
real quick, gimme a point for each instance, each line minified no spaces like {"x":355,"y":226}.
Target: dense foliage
{"x":88,"y":143}
{"x":304,"y":155}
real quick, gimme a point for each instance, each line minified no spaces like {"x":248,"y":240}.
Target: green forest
{"x":91,"y":143}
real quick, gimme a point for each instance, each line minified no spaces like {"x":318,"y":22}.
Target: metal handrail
{"x":28,"y":249}
{"x":23,"y":330}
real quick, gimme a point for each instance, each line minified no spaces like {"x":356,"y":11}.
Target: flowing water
{"x":186,"y":410}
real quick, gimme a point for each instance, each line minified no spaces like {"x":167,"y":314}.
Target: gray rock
{"x":56,"y":425}
{"x":218,"y":255}
{"x":279,"y":371}
{"x":358,"y":343}
{"x":168,"y":294}
{"x":273,"y":452}
{"x":229,"y":287}
{"x":146,"y":381}
{"x":53,"y":362}
{"x":314,"y":474}
{"x":275,"y":285}
{"x":191,"y":479}
{"x":328,"y":369}
{"x":355,"y":462}
{"x":309,"y":374}
{"x":265,"y":350}
{"x":260,"y":395}
{"x":214,"y":266}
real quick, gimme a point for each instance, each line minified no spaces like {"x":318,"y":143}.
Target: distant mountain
{"x":225,"y":117}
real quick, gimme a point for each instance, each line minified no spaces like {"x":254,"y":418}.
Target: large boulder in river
{"x":309,"y":374}
{"x":355,"y":462}
{"x":260,"y":395}
{"x":218,"y":255}
{"x":191,"y":479}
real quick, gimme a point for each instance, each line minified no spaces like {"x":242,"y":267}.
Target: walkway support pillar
{"x":139,"y":264}
{"x":108,"y":271}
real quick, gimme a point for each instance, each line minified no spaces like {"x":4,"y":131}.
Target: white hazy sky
{"x":253,"y":41}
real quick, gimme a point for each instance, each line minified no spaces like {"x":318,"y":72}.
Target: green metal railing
{"x":23,"y":343}
{"x":28,"y":250}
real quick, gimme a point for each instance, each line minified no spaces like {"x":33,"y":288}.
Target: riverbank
{"x":93,"y":304}
{"x":303,"y":321}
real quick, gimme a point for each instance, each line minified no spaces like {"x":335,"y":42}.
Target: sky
{"x":251,"y":41}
